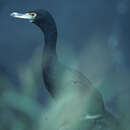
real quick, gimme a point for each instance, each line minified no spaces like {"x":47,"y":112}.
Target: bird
{"x":60,"y":80}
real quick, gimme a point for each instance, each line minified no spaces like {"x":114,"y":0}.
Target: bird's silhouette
{"x":80,"y":100}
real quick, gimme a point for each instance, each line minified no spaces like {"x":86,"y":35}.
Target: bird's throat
{"x":50,"y":38}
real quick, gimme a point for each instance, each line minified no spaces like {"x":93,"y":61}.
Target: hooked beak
{"x":22,"y":16}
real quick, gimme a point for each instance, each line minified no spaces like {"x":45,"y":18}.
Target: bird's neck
{"x":50,"y":37}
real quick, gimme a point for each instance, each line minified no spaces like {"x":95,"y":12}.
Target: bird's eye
{"x":33,"y":14}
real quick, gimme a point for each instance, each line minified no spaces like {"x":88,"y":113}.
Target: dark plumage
{"x":59,"y":79}
{"x":56,"y":74}
{"x":82,"y":102}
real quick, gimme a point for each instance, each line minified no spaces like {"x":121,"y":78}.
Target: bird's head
{"x":38,"y":17}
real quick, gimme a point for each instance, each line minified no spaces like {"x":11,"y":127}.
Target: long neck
{"x":50,"y":37}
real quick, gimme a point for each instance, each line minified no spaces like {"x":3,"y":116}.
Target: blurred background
{"x":93,"y":37}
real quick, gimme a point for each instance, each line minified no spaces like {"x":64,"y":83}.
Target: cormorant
{"x":59,"y":79}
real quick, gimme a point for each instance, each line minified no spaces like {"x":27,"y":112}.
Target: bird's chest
{"x":59,"y":80}
{"x":52,"y":77}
